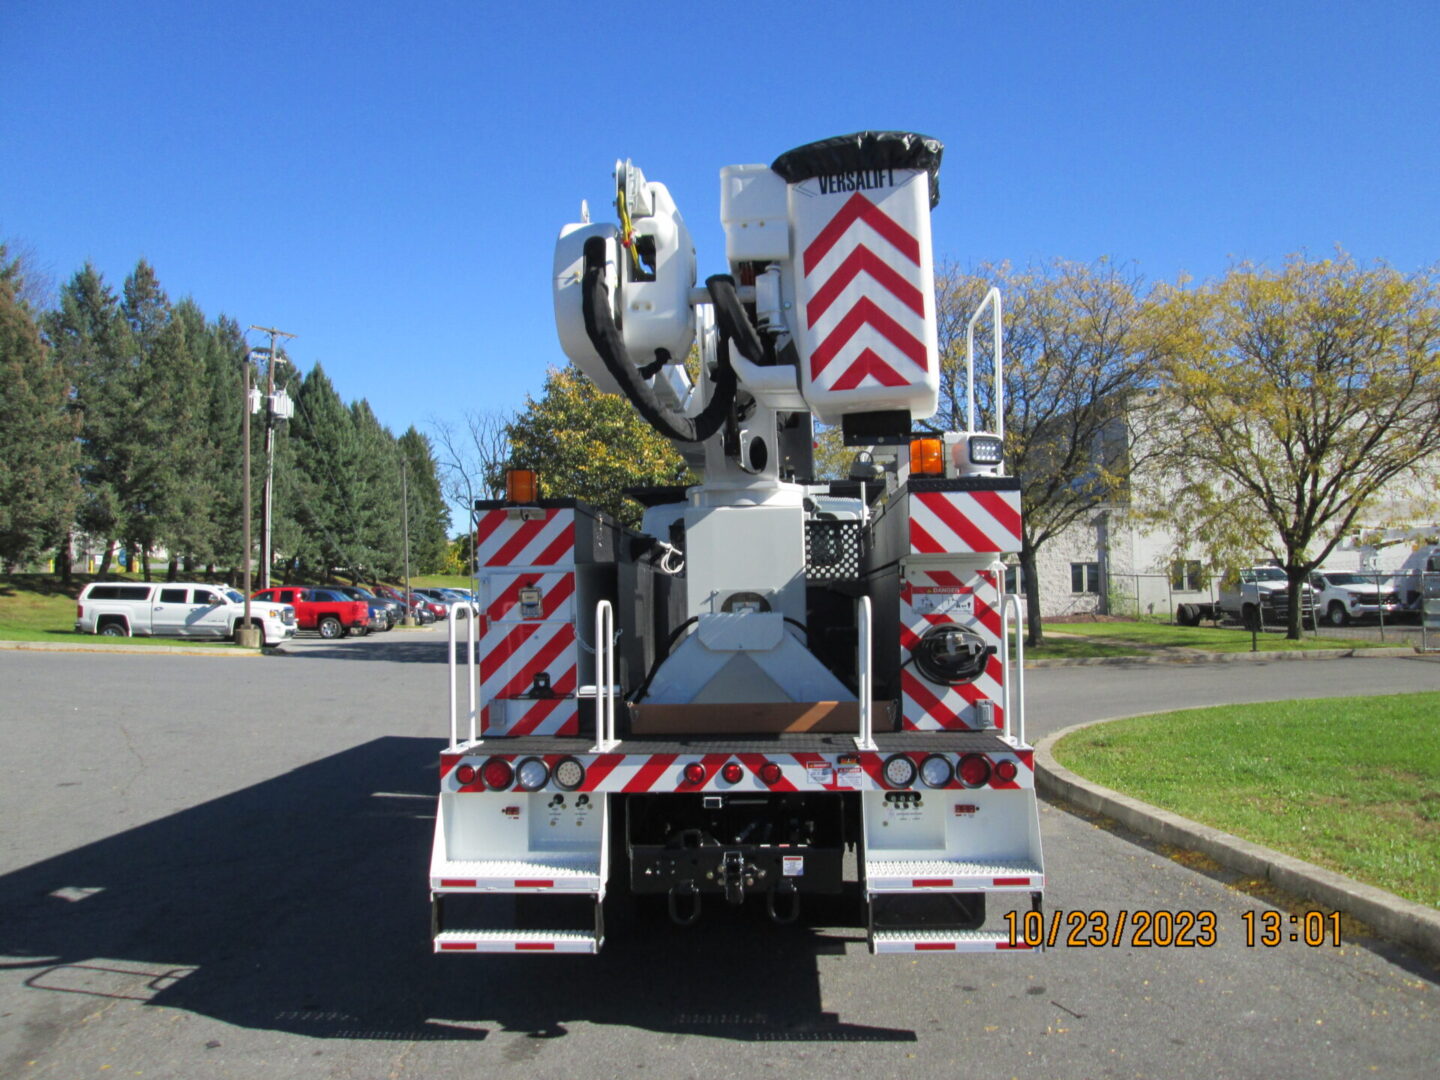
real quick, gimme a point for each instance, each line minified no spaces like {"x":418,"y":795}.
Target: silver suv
{"x":176,"y":609}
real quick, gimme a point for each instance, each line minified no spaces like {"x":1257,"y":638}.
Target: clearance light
{"x":465,"y":774}
{"x":497,"y":774}
{"x":521,"y":486}
{"x":927,"y":457}
{"x":974,"y":770}
{"x":770,"y":773}
{"x":732,"y":773}
{"x":695,"y":774}
{"x":1005,"y":770}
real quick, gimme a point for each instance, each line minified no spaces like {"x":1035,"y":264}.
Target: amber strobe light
{"x":521,"y":486}
{"x":927,"y":457}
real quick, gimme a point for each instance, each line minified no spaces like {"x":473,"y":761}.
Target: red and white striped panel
{"x":511,"y":654}
{"x":960,"y":522}
{"x":866,"y":302}
{"x":504,"y":538}
{"x":665,"y":773}
{"x":973,"y":602}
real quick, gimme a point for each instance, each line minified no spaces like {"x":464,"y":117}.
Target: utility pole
{"x":249,"y":634}
{"x":405,"y":515}
{"x":267,"y":556}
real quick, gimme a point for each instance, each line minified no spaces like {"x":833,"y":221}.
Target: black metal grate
{"x":832,"y":550}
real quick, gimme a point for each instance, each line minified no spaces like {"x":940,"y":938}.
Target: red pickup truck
{"x":331,"y":613}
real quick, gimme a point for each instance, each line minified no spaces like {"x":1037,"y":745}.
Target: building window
{"x":1185,"y":575}
{"x":1085,"y":577}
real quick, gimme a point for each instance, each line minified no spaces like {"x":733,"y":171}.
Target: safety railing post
{"x":470,"y":678}
{"x":605,"y":739}
{"x":450,"y":667}
{"x":866,"y":739}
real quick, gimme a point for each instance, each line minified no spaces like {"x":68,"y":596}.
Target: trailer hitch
{"x":735,"y":874}
{"x":686,"y":889}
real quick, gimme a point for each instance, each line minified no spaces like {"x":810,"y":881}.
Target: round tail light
{"x":770,"y":773}
{"x":974,"y":770}
{"x":732,"y":773}
{"x":497,"y":774}
{"x":465,"y":774}
{"x":1005,"y":770}
{"x":694,"y":774}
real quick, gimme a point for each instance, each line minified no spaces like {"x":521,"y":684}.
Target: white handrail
{"x":471,"y":620}
{"x":992,"y":299}
{"x":605,"y":678}
{"x":866,"y":739}
{"x":1014,"y":722}
{"x":450,"y":666}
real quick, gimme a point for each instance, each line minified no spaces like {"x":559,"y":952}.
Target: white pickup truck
{"x":176,"y":609}
{"x":1260,"y":597}
{"x":1345,"y":597}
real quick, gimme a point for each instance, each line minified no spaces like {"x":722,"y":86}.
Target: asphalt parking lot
{"x":218,"y":869}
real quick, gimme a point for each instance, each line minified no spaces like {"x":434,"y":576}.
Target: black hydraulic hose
{"x":605,"y":336}
{"x":730,"y":317}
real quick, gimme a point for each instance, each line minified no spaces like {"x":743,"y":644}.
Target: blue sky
{"x":387,"y":180}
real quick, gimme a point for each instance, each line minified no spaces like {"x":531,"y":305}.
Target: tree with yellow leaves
{"x":589,"y":445}
{"x":1294,"y":396}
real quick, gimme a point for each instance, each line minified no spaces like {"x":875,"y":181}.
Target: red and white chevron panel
{"x":866,"y":294}
{"x":961,"y":522}
{"x":937,"y":598}
{"x":511,"y":654}
{"x":506,"y":538}
{"x":501,"y":595}
{"x":799,"y":771}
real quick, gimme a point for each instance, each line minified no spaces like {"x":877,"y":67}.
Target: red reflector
{"x":770,"y":772}
{"x":935,"y":946}
{"x":695,"y":773}
{"x":534,"y":946}
{"x":1012,"y":881}
{"x":932,"y":883}
{"x":974,"y":770}
{"x":465,"y":774}
{"x":457,"y":883}
{"x":1005,"y":770}
{"x":457,"y":946}
{"x":533,"y":883}
{"x":732,"y":773}
{"x":497,"y":774}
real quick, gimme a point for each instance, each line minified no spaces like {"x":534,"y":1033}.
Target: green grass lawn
{"x":1352,"y":784}
{"x":1211,"y":639}
{"x":39,"y":607}
{"x":441,"y":581}
{"x":1062,"y":649}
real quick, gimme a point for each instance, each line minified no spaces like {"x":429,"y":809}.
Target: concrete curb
{"x":131,"y":650}
{"x":1199,"y":657}
{"x":1394,"y":917}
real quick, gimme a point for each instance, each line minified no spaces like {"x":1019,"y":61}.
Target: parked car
{"x":441,"y":603}
{"x":1344,"y":597}
{"x":393,"y":611}
{"x":460,"y":596}
{"x":176,"y":609}
{"x":331,"y":614}
{"x":419,"y":606}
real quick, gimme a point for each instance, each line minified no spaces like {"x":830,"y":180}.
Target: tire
{"x":1336,"y":615}
{"x":1187,"y":615}
{"x":114,"y":629}
{"x":329,"y":628}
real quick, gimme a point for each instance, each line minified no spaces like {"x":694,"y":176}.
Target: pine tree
{"x":38,"y":492}
{"x":377,"y":529}
{"x":327,"y":477}
{"x":91,"y":342}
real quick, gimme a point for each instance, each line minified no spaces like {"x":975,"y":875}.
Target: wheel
{"x":114,"y":629}
{"x":1337,"y":615}
{"x":330,"y":628}
{"x":1187,"y":615}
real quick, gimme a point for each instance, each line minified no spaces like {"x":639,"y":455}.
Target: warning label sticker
{"x":942,"y":600}
{"x":792,"y":865}
{"x":821,"y":773}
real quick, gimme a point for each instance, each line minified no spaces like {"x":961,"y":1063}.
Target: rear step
{"x":578,"y":873}
{"x":913,"y":875}
{"x":513,"y":941}
{"x":906,"y":941}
